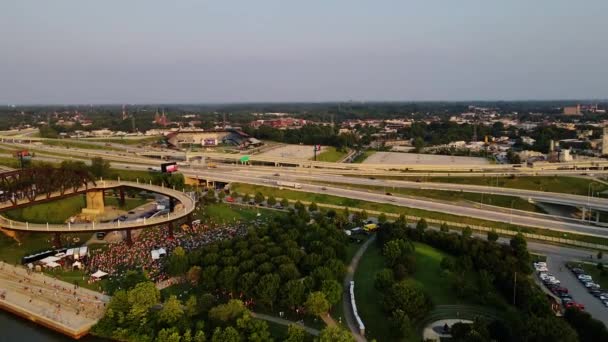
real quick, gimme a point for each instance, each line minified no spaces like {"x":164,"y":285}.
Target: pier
{"x":54,"y":304}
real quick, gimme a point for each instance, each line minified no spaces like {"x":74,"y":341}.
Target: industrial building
{"x":201,"y":138}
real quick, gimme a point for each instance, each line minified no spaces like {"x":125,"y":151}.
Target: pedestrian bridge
{"x":183,"y":209}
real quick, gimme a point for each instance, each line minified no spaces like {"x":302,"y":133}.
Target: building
{"x":213,"y":138}
{"x":573,"y":110}
{"x":605,"y":141}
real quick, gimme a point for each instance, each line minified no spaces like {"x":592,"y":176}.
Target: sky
{"x":203,"y":51}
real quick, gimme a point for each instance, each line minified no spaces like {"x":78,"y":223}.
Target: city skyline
{"x":198,"y":52}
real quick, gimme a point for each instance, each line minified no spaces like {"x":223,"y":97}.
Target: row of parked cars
{"x":587,"y":281}
{"x":554,"y":285}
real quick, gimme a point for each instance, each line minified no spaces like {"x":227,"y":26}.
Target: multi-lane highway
{"x":265,"y":176}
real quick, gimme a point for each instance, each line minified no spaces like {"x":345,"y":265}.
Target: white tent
{"x":77,"y":264}
{"x":49,"y":259}
{"x":99,"y":274}
{"x":155,"y":255}
{"x":69,"y":252}
{"x":83,"y":251}
{"x":162,"y":252}
{"x":52,"y":265}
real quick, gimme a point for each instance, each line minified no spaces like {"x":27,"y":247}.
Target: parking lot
{"x":292,"y":151}
{"x":557,"y":267}
{"x":421,"y":159}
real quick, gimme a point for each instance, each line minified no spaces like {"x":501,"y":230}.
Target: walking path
{"x":285,"y":322}
{"x":350,"y":273}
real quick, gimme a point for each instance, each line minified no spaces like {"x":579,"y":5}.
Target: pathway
{"x":350,"y":273}
{"x":285,"y":322}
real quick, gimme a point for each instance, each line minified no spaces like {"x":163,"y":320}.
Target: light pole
{"x":511,"y":214}
{"x":589,"y":195}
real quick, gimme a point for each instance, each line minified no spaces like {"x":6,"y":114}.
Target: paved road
{"x":346,"y":304}
{"x":426,"y":204}
{"x":285,"y":322}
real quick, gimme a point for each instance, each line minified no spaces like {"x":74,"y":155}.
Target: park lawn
{"x":369,"y":299}
{"x":561,"y":184}
{"x":59,"y":211}
{"x":223,"y":213}
{"x":429,"y":275}
{"x":452,"y":196}
{"x":395,"y":209}
{"x":361,"y":158}
{"x":331,"y":154}
{"x":76,"y":277}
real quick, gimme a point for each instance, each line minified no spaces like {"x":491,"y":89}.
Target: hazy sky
{"x":135,"y":51}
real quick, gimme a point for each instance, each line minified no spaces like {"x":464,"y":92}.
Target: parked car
{"x":575,"y":305}
{"x":229,"y":199}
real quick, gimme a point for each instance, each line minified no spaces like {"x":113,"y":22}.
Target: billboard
{"x":168,"y":167}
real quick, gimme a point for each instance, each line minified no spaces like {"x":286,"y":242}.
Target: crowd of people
{"x":121,"y":257}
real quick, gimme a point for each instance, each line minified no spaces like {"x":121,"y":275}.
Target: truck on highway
{"x":154,"y":169}
{"x":289,"y":185}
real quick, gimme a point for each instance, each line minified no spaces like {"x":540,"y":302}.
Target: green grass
{"x":452,"y":196}
{"x":361,"y":158}
{"x":222,"y":213}
{"x":561,"y":184}
{"x":60,"y":210}
{"x":331,"y":155}
{"x":395,"y":209}
{"x":429,"y":275}
{"x":369,"y":299}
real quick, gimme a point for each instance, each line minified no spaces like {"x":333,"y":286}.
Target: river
{"x":13,"y":328}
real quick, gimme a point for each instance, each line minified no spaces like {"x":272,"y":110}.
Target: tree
{"x":600,"y":254}
{"x":191,"y":308}
{"x":335,"y":334}
{"x":444,"y":227}
{"x":255,"y":330}
{"x":100,"y":167}
{"x":229,"y":334}
{"x":171,"y":311}
{"x":332,"y":291}
{"x":194,"y":275}
{"x":299,"y":206}
{"x":229,"y":312}
{"x":313,"y":207}
{"x":226,"y":278}
{"x":418,"y":144}
{"x":284,"y":203}
{"x":267,"y":288}
{"x":467,"y":232}
{"x":295,"y":333}
{"x":271,"y":201}
{"x":317,"y":304}
{"x":492,"y":236}
{"x":293,"y":293}
{"x":258,"y":198}
{"x":421,"y":225}
{"x":246,"y":198}
{"x":384,"y":279}
{"x":178,"y":262}
{"x":409,"y":297}
{"x":402,"y":323}
{"x":395,"y":250}
{"x":588,"y":328}
{"x":220,"y":195}
{"x":168,"y":335}
{"x":289,"y":272}
{"x":382,"y":218}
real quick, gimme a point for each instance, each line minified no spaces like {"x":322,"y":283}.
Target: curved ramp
{"x":186,"y":206}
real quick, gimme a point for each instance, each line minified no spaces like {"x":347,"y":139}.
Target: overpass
{"x":183,"y":210}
